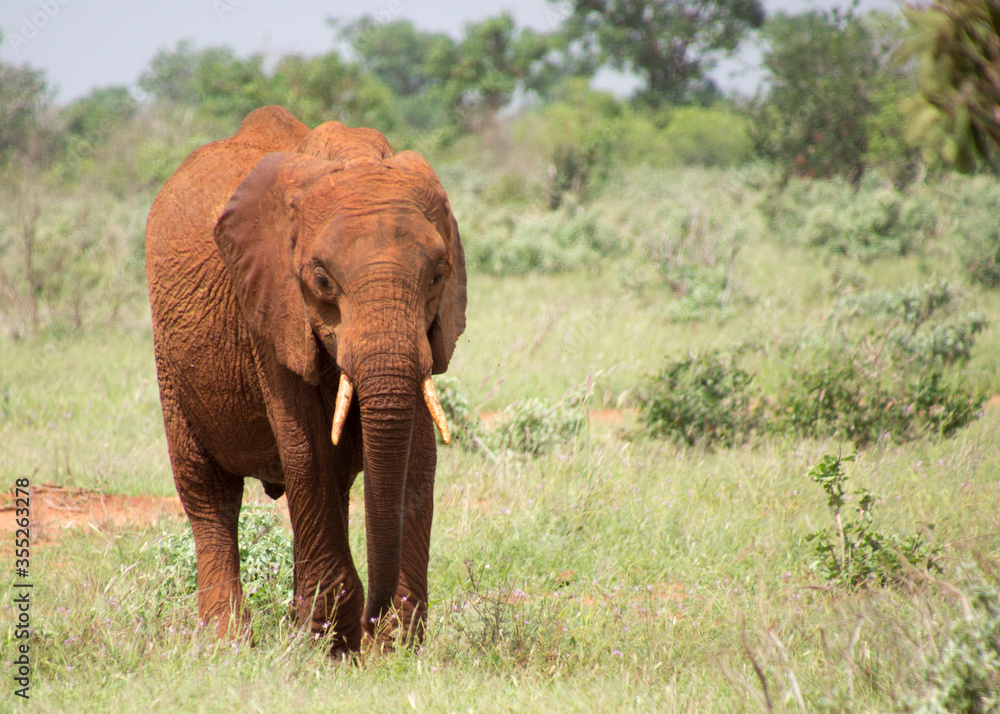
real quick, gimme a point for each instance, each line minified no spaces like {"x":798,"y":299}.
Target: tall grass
{"x":613,"y":571}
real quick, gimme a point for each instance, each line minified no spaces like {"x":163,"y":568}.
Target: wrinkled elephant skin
{"x":286,"y":266}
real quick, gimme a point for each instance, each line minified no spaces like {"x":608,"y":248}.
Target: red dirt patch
{"x":56,"y":508}
{"x":596,"y":416}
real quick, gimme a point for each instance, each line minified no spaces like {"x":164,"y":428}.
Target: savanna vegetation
{"x":727,"y":435}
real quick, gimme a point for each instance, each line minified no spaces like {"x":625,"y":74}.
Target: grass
{"x":618,"y":572}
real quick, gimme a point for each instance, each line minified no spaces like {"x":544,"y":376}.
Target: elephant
{"x":304,"y":286}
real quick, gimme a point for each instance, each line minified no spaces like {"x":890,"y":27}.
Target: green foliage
{"x":325,"y":87}
{"x":218,"y":83}
{"x":865,"y":225}
{"x":540,"y":243}
{"x":462,"y":421}
{"x":480,"y":74}
{"x":957,"y":45}
{"x":93,"y":117}
{"x":914,"y":306}
{"x":266,"y":563}
{"x":860,"y":394}
{"x":575,"y":169}
{"x":704,"y":136}
{"x":694,"y":252}
{"x":929,"y":336}
{"x":856,"y":553}
{"x":534,"y":426}
{"x":531,"y":426}
{"x":669,"y":45}
{"x":975,"y":202}
{"x":942,"y":344}
{"x":813,"y":120}
{"x":67,"y":261}
{"x":215,"y":80}
{"x":962,"y":673}
{"x":889,"y":150}
{"x":24,"y":98}
{"x":396,"y":52}
{"x":398,"y":55}
{"x":700,"y":399}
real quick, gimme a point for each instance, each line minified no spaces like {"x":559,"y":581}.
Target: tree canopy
{"x":670,"y":44}
{"x":956,"y":110}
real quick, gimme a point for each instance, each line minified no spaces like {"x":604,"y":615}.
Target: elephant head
{"x":354,"y":259}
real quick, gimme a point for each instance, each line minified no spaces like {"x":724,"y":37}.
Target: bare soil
{"x":58,"y":508}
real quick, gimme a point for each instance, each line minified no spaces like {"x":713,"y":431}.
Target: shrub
{"x":266,"y":562}
{"x":864,"y":398}
{"x":534,"y":426}
{"x":914,"y":306}
{"x":706,"y":136}
{"x":576,"y":169}
{"x":547,"y":243}
{"x":942,"y":344}
{"x":963,"y":673}
{"x":858,"y":554}
{"x":695,"y":254}
{"x":872,"y":222}
{"x":462,"y":421}
{"x":700,"y":399}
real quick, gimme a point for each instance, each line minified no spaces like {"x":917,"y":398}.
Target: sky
{"x":83,"y":44}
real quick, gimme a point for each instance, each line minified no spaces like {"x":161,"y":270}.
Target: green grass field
{"x":618,"y":571}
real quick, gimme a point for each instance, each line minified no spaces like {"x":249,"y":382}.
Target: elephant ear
{"x":449,"y":322}
{"x":256,"y":234}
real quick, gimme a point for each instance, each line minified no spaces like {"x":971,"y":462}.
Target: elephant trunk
{"x":388,"y":402}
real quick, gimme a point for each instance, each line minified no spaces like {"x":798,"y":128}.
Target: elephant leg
{"x":418,"y":513}
{"x":211,"y":498}
{"x":327,"y":590}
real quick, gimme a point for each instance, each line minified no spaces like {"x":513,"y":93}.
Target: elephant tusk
{"x":437,"y":413}
{"x":344,"y":393}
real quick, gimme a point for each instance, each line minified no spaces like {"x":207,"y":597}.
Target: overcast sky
{"x":84,"y":44}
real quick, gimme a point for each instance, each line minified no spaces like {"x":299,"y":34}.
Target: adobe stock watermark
{"x":33,"y":24}
{"x":382,"y":17}
{"x":224,"y":7}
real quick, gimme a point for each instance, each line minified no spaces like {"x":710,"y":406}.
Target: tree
{"x":396,"y":52}
{"x":480,"y":74}
{"x":24,"y":97}
{"x":956,"y":110}
{"x":215,"y":80}
{"x":93,"y":117}
{"x":325,"y":87}
{"x":669,"y":43}
{"x":814,"y":118}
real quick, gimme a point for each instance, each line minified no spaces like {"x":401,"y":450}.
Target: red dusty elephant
{"x":306,"y":284}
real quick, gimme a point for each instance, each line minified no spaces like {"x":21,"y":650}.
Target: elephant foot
{"x":232,"y":626}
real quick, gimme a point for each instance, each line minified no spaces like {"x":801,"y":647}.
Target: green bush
{"x":942,"y":344}
{"x":856,"y":553}
{"x":914,"y":306}
{"x":535,"y":426}
{"x":869,"y":223}
{"x":576,"y":169}
{"x":700,"y":399}
{"x":266,"y":562}
{"x":962,"y":674}
{"x":863,"y":398}
{"x":545,"y":243}
{"x":925,"y":337}
{"x":462,"y":421}
{"x":694,"y":251}
{"x":704,"y":136}
{"x":975,"y":207}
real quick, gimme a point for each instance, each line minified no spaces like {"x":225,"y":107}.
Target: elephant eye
{"x":439,"y":273}
{"x":322,"y":282}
